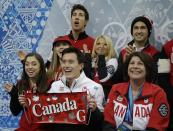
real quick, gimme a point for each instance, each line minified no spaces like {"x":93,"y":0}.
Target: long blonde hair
{"x":111,"y":50}
{"x":55,"y":61}
{"x":54,"y":65}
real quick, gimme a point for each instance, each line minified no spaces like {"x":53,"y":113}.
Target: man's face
{"x":140,"y":32}
{"x":78,"y":21}
{"x":70,"y":66}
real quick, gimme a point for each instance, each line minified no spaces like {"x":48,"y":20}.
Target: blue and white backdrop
{"x":31,"y":25}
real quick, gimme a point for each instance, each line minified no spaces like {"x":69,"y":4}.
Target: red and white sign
{"x":57,"y":107}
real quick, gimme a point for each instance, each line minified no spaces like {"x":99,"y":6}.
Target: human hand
{"x":91,"y":103}
{"x":8,"y":87}
{"x":129,"y":50}
{"x":85,"y":49}
{"x":21,"y":55}
{"x":22,"y":100}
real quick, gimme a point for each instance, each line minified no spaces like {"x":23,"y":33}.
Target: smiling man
{"x":141,"y":28}
{"x":74,"y":80}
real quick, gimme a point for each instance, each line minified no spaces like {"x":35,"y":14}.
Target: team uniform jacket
{"x":80,"y":84}
{"x":150,"y":110}
{"x":25,"y":122}
{"x":82,"y":39}
{"x":149,"y":49}
{"x":165,"y":78}
{"x":105,"y":71}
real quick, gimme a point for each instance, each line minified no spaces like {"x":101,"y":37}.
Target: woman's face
{"x":101,"y":47}
{"x":136,"y":69}
{"x":32,"y":67}
{"x":59,"y":49}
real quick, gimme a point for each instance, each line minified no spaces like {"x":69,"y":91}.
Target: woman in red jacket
{"x":34,"y":80}
{"x":137,"y":104}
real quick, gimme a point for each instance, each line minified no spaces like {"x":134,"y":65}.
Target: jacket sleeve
{"x":118,"y":75}
{"x":96,"y":120}
{"x":109,"y":122}
{"x":155,"y":69}
{"x":159,"y":117}
{"x":15,"y":106}
{"x":108,"y":127}
{"x":106,"y":70}
{"x":163,"y":78}
{"x":88,"y":65}
{"x":99,"y":97}
{"x":47,"y":64}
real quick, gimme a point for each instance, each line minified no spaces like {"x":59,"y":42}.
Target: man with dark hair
{"x":77,"y":36}
{"x":141,"y":28}
{"x":79,"y":20}
{"x":75,"y":80}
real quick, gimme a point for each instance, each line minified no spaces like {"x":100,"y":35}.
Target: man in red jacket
{"x":79,"y":20}
{"x":141,"y":28}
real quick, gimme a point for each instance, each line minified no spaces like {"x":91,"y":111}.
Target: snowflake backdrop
{"x":31,"y":25}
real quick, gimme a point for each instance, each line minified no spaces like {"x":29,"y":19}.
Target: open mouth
{"x":76,"y":22}
{"x":136,"y":72}
{"x":30,"y":72}
{"x":67,"y":70}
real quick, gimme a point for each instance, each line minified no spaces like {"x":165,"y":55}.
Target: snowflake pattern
{"x":22,"y":23}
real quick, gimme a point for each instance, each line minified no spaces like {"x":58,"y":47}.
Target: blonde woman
{"x":102,"y":63}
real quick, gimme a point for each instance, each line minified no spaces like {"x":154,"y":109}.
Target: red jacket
{"x":25,"y":123}
{"x":168,"y":48}
{"x":82,"y":39}
{"x":150,"y":110}
{"x":149,"y":49}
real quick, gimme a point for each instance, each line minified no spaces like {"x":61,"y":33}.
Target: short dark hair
{"x":151,"y":70}
{"x":79,"y":54}
{"x":145,"y":20}
{"x":80,"y":7}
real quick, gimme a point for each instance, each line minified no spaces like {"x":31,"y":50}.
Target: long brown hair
{"x":42,"y":80}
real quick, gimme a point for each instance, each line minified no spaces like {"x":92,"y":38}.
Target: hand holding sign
{"x":92,"y":104}
{"x":22,"y":100}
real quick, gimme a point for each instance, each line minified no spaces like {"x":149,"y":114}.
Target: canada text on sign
{"x":57,"y":108}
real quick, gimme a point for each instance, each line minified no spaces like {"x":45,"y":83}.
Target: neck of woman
{"x":136,"y":85}
{"x":32,"y":82}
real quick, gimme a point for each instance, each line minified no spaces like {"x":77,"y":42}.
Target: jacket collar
{"x":146,"y":43}
{"x":76,"y":81}
{"x":82,"y":35}
{"x":146,"y":91}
